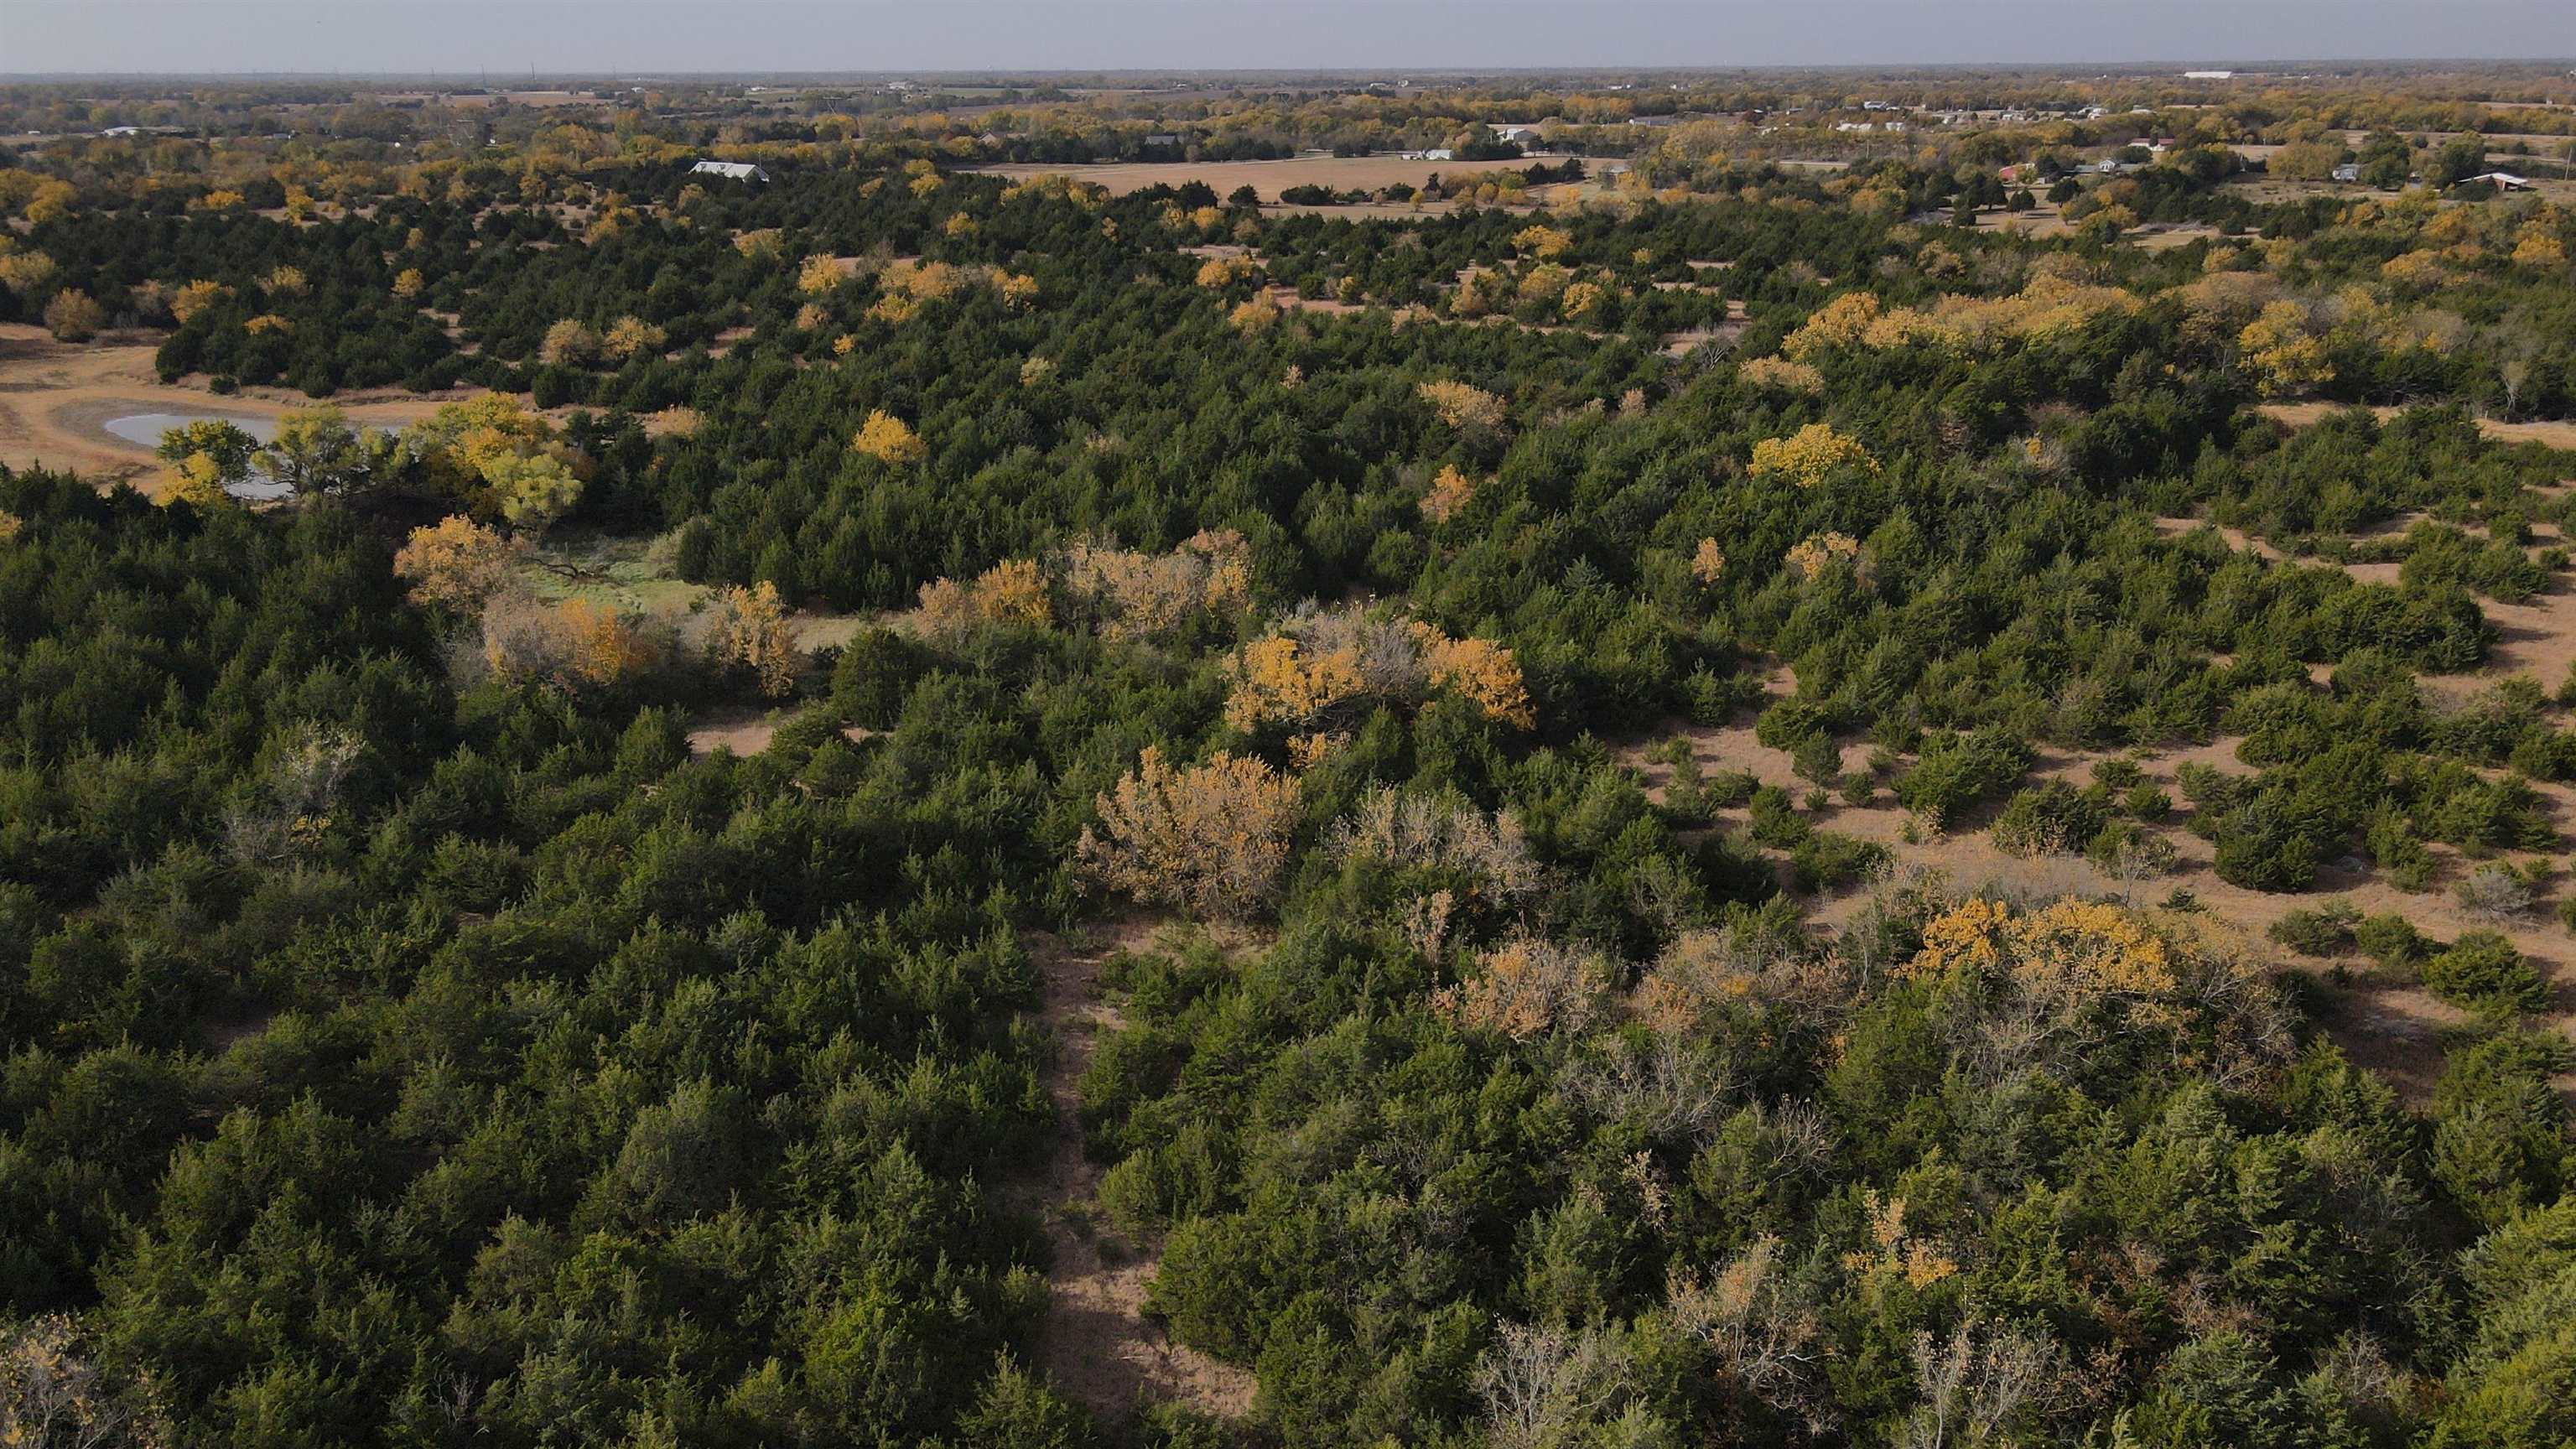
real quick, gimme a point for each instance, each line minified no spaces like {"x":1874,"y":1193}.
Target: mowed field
{"x":1268,"y":178}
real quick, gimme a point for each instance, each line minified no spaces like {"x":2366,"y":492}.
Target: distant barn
{"x":729,"y":170}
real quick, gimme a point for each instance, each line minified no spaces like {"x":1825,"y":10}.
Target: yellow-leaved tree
{"x":751,"y":633}
{"x":1450,"y":491}
{"x":495,"y":453}
{"x":818,"y":276}
{"x":888,"y":439}
{"x":1810,"y":455}
{"x":2280,"y":353}
{"x":1463,"y":405}
{"x":196,"y":297}
{"x":455,"y":563}
{"x":632,"y":337}
{"x":569,"y":645}
{"x":1327,"y":662}
{"x":1542,"y":241}
{"x":1210,"y":838}
{"x":204,"y":458}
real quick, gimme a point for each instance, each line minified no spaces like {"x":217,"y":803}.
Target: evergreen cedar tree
{"x":409,"y":1039}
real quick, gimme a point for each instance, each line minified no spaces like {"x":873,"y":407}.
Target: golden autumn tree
{"x":74,"y":316}
{"x":888,"y":439}
{"x":1209,"y":838}
{"x":204,"y":457}
{"x":571,"y":644}
{"x":1779,"y":374}
{"x":26,"y":273}
{"x":751,"y":633}
{"x":2280,"y":353}
{"x":1450,"y":491}
{"x":1816,"y":554}
{"x":11,"y":525}
{"x":1528,"y":988}
{"x":1542,"y":241}
{"x":196,"y":297}
{"x":506,"y":460}
{"x":1463,"y":405}
{"x":818,"y":276}
{"x":1810,"y":456}
{"x":1321,"y":660}
{"x":455,"y":563}
{"x":568,"y":343}
{"x":1841,"y":322}
{"x":2538,"y":249}
{"x":631,"y":337}
{"x":1480,"y":671}
{"x":1255,"y":314}
{"x":409,"y":283}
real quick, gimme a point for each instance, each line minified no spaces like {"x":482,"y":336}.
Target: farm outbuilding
{"x":730,"y":170}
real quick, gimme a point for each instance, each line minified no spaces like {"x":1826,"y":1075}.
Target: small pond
{"x":146,"y":429}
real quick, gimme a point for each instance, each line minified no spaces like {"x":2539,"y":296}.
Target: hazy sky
{"x":811,"y":35}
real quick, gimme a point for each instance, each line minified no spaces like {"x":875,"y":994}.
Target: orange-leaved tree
{"x":455,"y":563}
{"x":1210,"y":838}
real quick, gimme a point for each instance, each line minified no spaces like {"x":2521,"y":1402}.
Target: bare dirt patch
{"x":2237,"y":538}
{"x":2391,"y":1025}
{"x":744,"y":731}
{"x":2550,"y":432}
{"x":1097,"y":1344}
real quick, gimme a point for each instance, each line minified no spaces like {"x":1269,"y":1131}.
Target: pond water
{"x":146,"y":429}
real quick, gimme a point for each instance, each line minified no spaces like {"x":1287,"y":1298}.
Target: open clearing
{"x":56,"y":399}
{"x":1269,"y":178}
{"x":2554,"y":432}
{"x":2387,"y":1021}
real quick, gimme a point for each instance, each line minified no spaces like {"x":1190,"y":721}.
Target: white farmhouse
{"x":730,"y":170}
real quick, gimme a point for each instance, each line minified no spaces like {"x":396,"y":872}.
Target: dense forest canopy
{"x":1720,"y":796}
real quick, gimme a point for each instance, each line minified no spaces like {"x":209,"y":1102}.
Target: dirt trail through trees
{"x":1097,"y":1344}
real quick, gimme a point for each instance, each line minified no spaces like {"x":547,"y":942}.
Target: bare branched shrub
{"x":1673,"y":1086}
{"x":1768,"y":1341}
{"x":2494,"y":892}
{"x":1129,"y":595}
{"x":52,"y":1397}
{"x":1541,"y":1385}
{"x":1420,"y":832}
{"x":1984,"y":1385}
{"x":292,"y":809}
{"x":1530,"y":987}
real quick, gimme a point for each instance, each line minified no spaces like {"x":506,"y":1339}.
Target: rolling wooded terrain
{"x":1736,"y":781}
